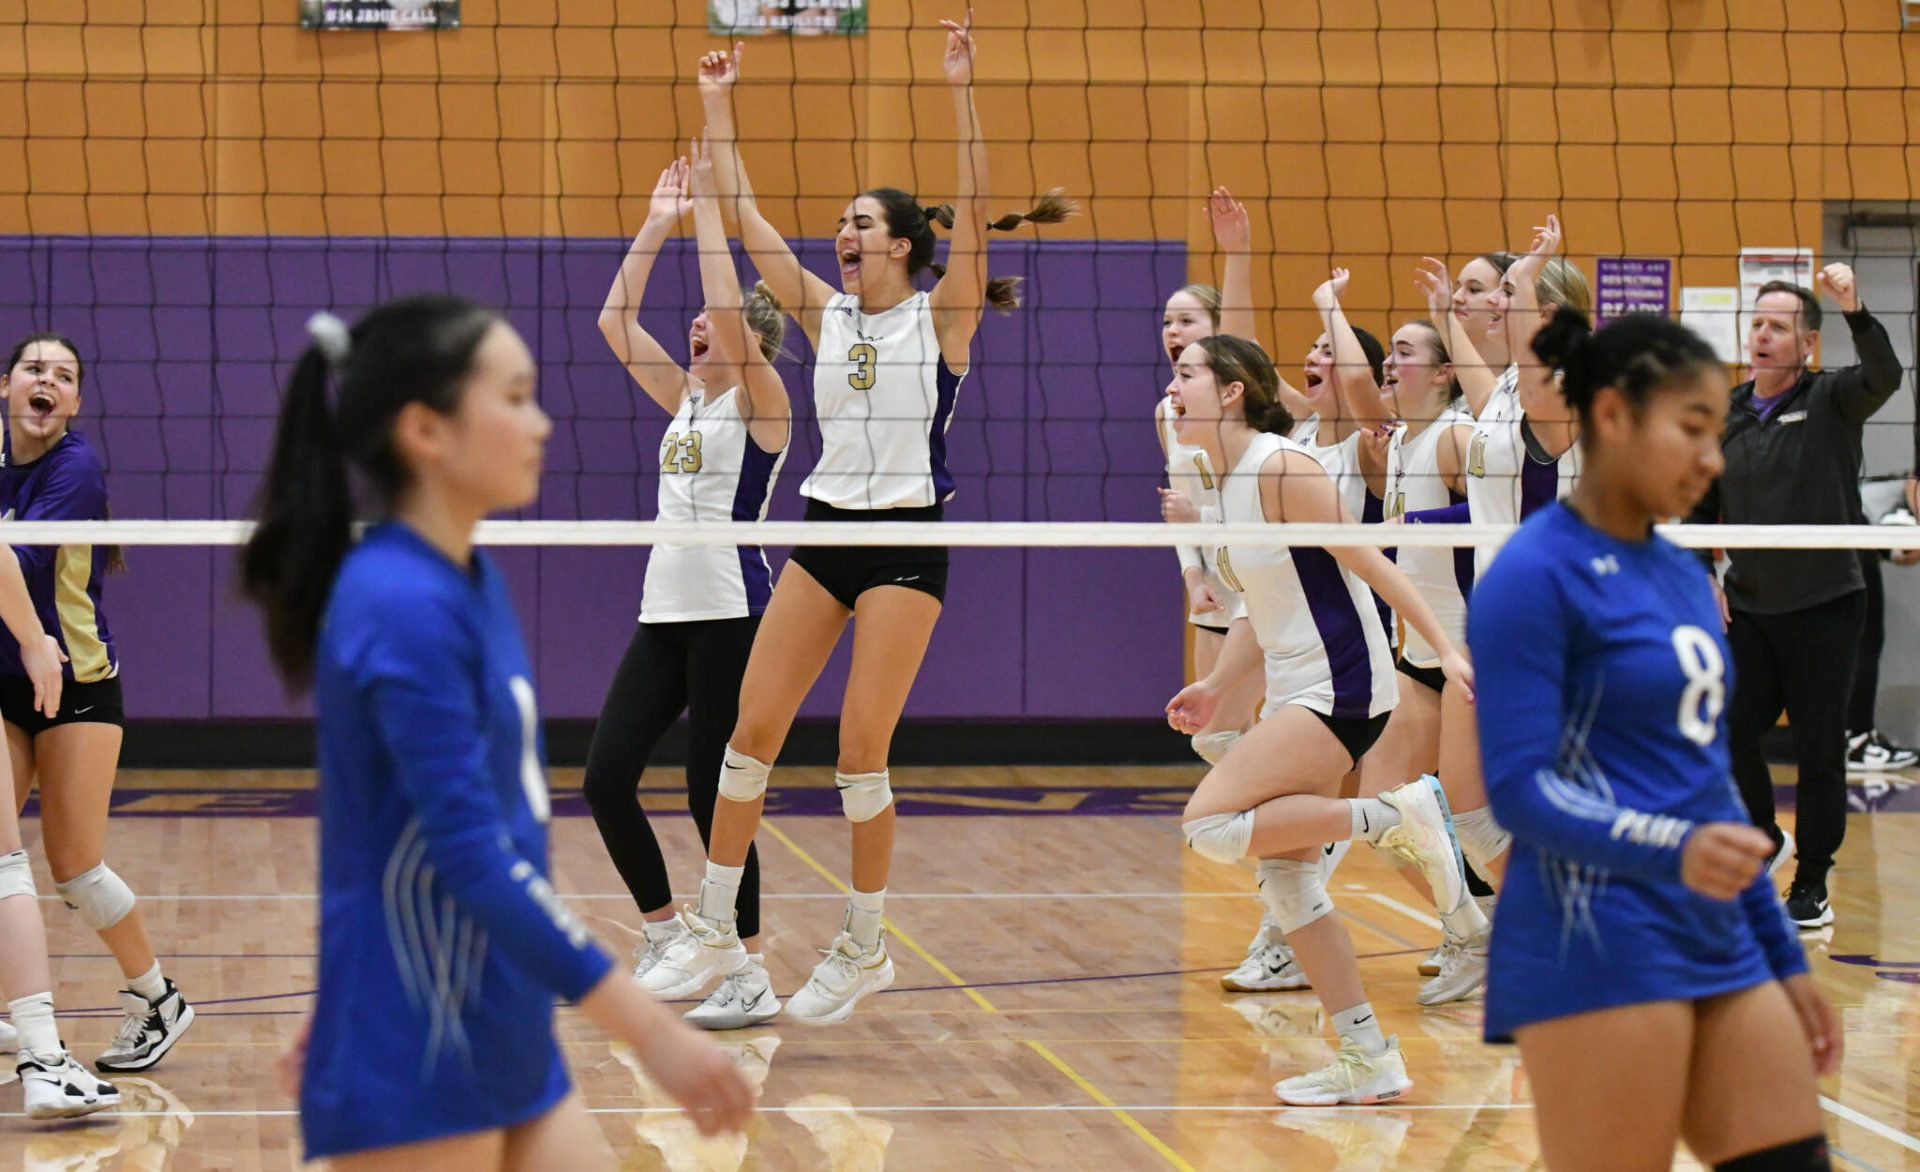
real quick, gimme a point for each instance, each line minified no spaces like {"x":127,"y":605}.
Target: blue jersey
{"x":442,"y":946}
{"x":1603,"y":678}
{"x":67,"y":483}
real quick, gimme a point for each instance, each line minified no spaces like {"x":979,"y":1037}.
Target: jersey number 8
{"x":1706,"y":694}
{"x":864,"y":357}
{"x":532,"y":778}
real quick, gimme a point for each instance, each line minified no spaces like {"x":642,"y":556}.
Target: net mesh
{"x":195,"y":179}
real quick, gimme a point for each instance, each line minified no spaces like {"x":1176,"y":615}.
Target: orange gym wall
{"x":1365,"y":131}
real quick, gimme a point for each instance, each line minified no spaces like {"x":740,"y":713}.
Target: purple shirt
{"x":68,"y":483}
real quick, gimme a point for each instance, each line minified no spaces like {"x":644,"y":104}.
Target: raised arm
{"x":1476,"y":378}
{"x":804,"y":295}
{"x":763,"y":403}
{"x":1363,"y":407}
{"x":960,"y":296}
{"x":1233,"y":232}
{"x":1859,"y":391}
{"x":663,"y":379}
{"x":1552,"y":421}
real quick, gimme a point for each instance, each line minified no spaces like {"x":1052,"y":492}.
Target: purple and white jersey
{"x":1325,"y":648}
{"x":1506,"y":485}
{"x":710,"y":470}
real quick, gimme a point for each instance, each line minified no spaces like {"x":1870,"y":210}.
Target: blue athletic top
{"x":66,"y":483}
{"x":1603,"y":679}
{"x":442,"y":945}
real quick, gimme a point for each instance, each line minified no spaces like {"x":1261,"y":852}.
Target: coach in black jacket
{"x":1794,"y":617}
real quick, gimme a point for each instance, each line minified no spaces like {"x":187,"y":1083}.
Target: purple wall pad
{"x":185,"y":339}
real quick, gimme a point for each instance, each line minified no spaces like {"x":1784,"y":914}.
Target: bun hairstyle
{"x":908,"y":220}
{"x":416,"y":350}
{"x":766,"y":319}
{"x":1208,"y":297}
{"x":1637,"y":355}
{"x":1237,"y":360}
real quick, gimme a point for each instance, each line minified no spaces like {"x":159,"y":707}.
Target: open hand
{"x":670,"y":202}
{"x":719,"y":70}
{"x":1232,"y":230}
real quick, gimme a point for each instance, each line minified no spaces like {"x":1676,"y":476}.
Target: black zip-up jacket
{"x":1801,"y":466}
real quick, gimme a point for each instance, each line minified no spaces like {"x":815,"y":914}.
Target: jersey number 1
{"x":532,"y":778}
{"x":1706,"y":693}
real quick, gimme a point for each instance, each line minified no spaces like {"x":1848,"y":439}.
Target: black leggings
{"x":1873,"y":639}
{"x":1801,"y":661}
{"x":669,"y":668}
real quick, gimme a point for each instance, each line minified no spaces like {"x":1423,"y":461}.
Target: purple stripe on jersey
{"x":947,"y":389}
{"x":1341,"y":628}
{"x":1462,"y":555}
{"x":1539,"y":485}
{"x":750,"y":504}
{"x":1373,"y":512}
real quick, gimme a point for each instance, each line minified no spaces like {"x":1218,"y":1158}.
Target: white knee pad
{"x":1212,"y":747}
{"x":742,"y":778}
{"x":1481,"y":838}
{"x":1330,"y":856}
{"x":864,"y":796}
{"x":1224,"y":838}
{"x":16,"y":875}
{"x":1293,"y":891}
{"x":99,"y":897}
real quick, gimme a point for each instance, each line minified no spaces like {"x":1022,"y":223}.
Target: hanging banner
{"x":392,"y":15}
{"x":1633,"y":284}
{"x":732,"y":18}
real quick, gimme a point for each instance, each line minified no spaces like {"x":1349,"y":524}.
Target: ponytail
{"x":416,"y":350}
{"x":1637,"y":355}
{"x":908,"y":219}
{"x":306,"y":522}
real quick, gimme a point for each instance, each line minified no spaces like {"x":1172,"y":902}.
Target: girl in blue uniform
{"x":442,"y":945}
{"x":49,"y":472}
{"x":1640,"y":955}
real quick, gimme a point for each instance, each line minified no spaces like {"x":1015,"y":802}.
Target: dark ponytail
{"x":907,"y":219}
{"x":1240,"y":360}
{"x":419,"y":349}
{"x":1637,"y":355}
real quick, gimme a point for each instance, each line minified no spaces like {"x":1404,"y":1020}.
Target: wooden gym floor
{"x":1056,"y":1005}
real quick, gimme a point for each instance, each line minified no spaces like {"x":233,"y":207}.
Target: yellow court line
{"x":1054,"y":1060}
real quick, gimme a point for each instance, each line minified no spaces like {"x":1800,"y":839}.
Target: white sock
{"x":863,"y":918}
{"x":33,"y":1017}
{"x":1359,"y":1024}
{"x":1466,"y":922}
{"x":1371,"y":818}
{"x":660,"y":931}
{"x":719,"y":892}
{"x":149,"y":984}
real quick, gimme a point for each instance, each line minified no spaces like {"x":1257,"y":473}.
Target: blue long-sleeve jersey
{"x":1603,"y":678}
{"x":442,"y":946}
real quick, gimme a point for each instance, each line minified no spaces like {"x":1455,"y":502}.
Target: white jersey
{"x":710,"y":470}
{"x":1315,"y":621}
{"x":884,"y":398}
{"x":1505,"y":485}
{"x":1444,"y":577}
{"x":1190,"y":471}
{"x":1342,"y":462}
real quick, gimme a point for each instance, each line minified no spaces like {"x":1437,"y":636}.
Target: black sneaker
{"x":1873,"y":753}
{"x":147,"y":1032}
{"x":1807,"y":904}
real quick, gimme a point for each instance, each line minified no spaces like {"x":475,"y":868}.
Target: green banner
{"x":731,"y":18}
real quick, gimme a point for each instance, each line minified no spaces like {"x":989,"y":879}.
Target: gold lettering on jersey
{"x":1396,"y":504}
{"x":1477,"y":458}
{"x":864,"y":357}
{"x":680,"y":453}
{"x":1225,"y":566}
{"x":1206,"y":476}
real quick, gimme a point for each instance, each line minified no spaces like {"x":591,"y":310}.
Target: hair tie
{"x":332,"y":336}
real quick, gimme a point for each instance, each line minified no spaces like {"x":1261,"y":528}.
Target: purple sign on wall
{"x":1633,"y":284}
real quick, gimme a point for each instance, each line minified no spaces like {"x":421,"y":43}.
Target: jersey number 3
{"x":864,"y":357}
{"x":1706,"y":693}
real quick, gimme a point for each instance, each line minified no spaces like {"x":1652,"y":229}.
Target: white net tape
{"x":1004,"y":534}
